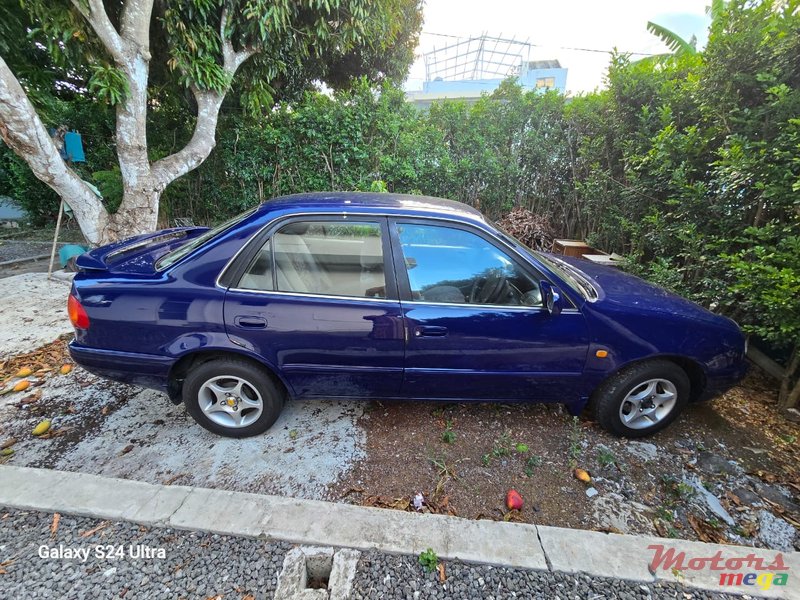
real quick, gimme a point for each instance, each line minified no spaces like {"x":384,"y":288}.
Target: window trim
{"x":401,"y":273}
{"x":236,"y":268}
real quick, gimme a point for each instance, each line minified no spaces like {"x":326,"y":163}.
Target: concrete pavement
{"x":327,"y":524}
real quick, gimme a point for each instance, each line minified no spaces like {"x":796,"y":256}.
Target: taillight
{"x":77,"y":314}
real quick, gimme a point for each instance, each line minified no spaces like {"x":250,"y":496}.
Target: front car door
{"x":316,"y":301}
{"x":475,"y":323}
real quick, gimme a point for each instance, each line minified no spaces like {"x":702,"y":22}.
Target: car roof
{"x":373,"y":202}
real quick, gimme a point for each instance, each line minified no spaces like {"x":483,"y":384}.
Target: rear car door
{"x":317,"y":301}
{"x":476,"y":324}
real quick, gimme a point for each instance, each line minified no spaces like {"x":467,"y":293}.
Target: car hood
{"x":618,"y":289}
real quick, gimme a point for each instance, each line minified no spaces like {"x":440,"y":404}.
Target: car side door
{"x":317,"y":300}
{"x":476,"y":326}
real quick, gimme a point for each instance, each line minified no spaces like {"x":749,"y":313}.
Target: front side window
{"x":331,"y":258}
{"x":454,"y":266}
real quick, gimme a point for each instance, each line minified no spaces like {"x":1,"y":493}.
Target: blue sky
{"x":556,"y":28}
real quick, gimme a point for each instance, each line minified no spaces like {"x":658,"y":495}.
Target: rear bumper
{"x":146,"y":370}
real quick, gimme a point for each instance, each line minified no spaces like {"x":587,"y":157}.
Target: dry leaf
{"x":442,"y":575}
{"x":91,"y":532}
{"x":705,"y":531}
{"x":54,"y":525}
{"x":174,"y":478}
{"x":733,"y":498}
{"x":127,"y":449}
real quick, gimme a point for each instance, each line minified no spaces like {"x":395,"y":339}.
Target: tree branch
{"x":98,"y":18}
{"x":199,"y":147}
{"x":231,"y":60}
{"x":209,"y":102}
{"x":23,"y":131}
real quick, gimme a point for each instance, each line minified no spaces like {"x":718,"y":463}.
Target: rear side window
{"x":171,"y":258}
{"x":330,"y":258}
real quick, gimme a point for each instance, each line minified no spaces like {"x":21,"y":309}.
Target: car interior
{"x":321,"y":258}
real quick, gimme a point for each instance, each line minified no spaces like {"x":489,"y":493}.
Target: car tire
{"x":232,"y":397}
{"x":642,"y":399}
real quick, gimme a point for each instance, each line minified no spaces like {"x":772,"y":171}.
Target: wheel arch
{"x":693,"y":369}
{"x":185,"y":363}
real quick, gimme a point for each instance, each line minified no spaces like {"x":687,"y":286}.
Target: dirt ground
{"x":464,"y":457}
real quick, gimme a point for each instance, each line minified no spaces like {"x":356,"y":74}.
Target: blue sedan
{"x":352,"y":295}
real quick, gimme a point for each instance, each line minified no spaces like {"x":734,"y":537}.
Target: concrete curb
{"x":319,"y":523}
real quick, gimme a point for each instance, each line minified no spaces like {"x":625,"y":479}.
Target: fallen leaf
{"x":174,"y":478}
{"x":54,"y":525}
{"x":65,"y":369}
{"x":353,"y":490}
{"x":733,"y":498}
{"x":91,"y":532}
{"x":442,"y":576}
{"x":31,"y":398}
{"x":607,"y":529}
{"x":127,"y":449}
{"x":7,"y":443}
{"x":661,"y":528}
{"x":705,"y":531}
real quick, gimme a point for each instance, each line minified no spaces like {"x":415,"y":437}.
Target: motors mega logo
{"x":748,"y":570}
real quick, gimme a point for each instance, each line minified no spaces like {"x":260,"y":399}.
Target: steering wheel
{"x":487,"y":290}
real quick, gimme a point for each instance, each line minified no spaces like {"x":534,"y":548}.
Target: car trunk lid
{"x":137,"y":254}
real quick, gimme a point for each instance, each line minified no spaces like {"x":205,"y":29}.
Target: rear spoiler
{"x":101,"y":258}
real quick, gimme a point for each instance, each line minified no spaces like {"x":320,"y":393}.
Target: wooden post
{"x":55,"y":239}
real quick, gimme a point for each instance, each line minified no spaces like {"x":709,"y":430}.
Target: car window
{"x":454,"y":266}
{"x":171,"y":258}
{"x":332,"y":258}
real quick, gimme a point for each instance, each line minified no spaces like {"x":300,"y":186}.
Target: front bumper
{"x":146,"y":370}
{"x":720,"y":382}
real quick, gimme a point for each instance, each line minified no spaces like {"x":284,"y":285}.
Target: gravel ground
{"x":386,"y":577}
{"x":13,"y":250}
{"x":205,"y":565}
{"x":196,"y":565}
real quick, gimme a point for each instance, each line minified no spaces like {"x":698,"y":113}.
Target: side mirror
{"x":551,"y":298}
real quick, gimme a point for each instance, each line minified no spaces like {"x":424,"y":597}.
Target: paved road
{"x":205,"y":565}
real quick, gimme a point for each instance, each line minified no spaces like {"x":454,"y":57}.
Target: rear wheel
{"x":232,"y":397}
{"x":642,"y":399}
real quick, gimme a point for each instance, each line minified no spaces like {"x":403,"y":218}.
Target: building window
{"x":545,"y":82}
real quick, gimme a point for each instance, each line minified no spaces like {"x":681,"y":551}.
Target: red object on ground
{"x":513,"y":500}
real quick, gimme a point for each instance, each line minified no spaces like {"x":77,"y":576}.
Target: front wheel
{"x":642,"y":399}
{"x":232,"y":397}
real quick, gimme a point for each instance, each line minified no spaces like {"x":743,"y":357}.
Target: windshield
{"x":171,"y":258}
{"x":571,"y":276}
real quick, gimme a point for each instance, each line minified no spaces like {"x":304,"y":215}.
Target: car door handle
{"x":430,"y":331}
{"x":250,"y":322}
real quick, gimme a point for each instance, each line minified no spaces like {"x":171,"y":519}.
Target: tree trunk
{"x":789,"y":396}
{"x":23,"y":131}
{"x":137,"y":214}
{"x":143,"y":182}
